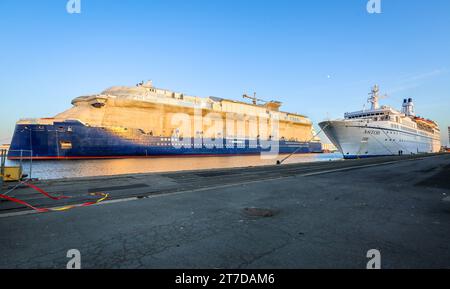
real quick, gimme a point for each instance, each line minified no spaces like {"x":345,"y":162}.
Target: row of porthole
{"x":402,"y":133}
{"x":401,"y":140}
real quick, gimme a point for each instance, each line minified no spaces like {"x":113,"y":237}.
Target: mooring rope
{"x":104,"y":196}
{"x":321,"y":130}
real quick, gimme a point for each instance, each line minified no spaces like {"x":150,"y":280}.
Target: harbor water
{"x":108,"y":167}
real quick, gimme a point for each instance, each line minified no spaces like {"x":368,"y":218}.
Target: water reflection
{"x":87,"y":168}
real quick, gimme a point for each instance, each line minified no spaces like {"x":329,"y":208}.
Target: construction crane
{"x":254,"y":99}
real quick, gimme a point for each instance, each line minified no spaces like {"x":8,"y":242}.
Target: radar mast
{"x":374,"y":97}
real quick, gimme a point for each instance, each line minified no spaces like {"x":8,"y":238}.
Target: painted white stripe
{"x":349,"y":168}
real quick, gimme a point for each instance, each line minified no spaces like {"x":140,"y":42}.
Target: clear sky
{"x":319,"y":57}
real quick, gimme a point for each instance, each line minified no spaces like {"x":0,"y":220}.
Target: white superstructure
{"x":382,"y":130}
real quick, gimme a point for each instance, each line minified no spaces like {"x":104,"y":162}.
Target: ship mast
{"x":374,"y":97}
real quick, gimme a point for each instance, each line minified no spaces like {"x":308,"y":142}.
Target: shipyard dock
{"x":315,"y":215}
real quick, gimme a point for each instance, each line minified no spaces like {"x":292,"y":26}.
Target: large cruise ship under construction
{"x":145,"y":121}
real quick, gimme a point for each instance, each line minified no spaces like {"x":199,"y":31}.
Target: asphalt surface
{"x":321,"y":215}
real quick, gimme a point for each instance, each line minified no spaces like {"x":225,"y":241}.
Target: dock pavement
{"x":310,"y":215}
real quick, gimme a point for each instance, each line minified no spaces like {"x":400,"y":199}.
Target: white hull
{"x":366,"y":138}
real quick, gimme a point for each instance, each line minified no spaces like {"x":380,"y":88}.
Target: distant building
{"x":4,"y":147}
{"x":449,"y":135}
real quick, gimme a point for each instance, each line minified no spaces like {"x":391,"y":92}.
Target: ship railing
{"x":24,"y":154}
{"x":36,"y":121}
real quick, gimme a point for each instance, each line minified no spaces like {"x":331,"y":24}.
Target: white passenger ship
{"x":383,"y":131}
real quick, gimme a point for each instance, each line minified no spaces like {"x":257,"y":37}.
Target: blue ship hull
{"x":74,"y":140}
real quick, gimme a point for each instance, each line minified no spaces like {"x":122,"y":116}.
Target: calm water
{"x":85,"y":168}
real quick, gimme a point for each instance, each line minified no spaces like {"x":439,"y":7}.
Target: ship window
{"x":98,"y":105}
{"x":65,"y":145}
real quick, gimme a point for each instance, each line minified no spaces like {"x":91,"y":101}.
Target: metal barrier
{"x":4,"y":155}
{"x":2,"y":165}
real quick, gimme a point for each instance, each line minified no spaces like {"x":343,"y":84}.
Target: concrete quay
{"x":315,"y":215}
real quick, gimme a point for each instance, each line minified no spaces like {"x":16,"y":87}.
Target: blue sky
{"x":319,"y":57}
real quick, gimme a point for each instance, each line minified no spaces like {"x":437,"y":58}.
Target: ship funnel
{"x":404,"y":105}
{"x":409,"y":107}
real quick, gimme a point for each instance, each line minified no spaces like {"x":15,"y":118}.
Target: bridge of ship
{"x":377,"y":115}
